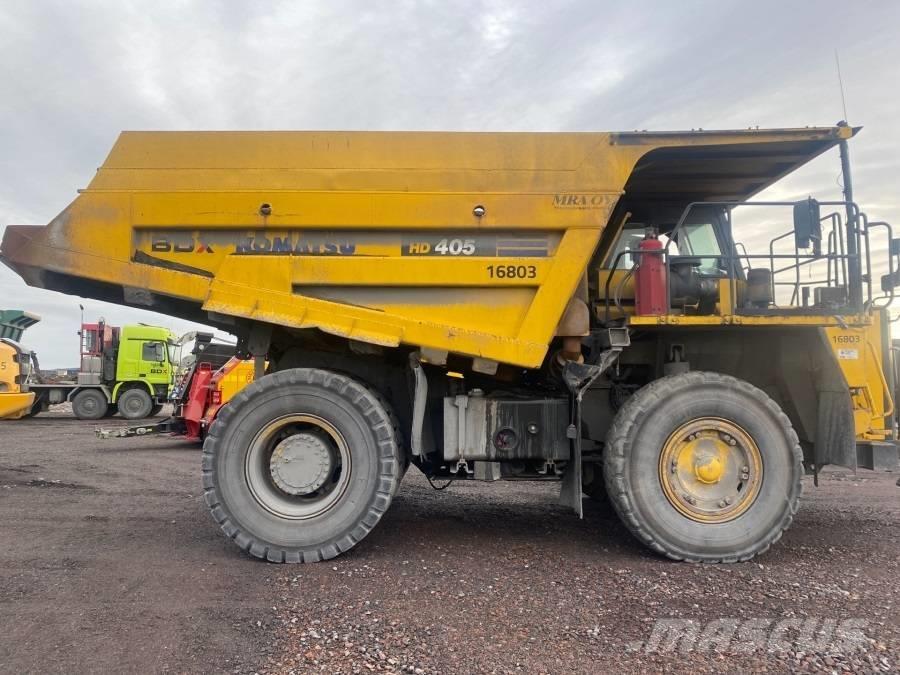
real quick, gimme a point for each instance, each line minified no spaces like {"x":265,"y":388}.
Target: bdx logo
{"x":184,"y":245}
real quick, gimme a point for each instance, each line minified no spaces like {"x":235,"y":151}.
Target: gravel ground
{"x":110,"y":562}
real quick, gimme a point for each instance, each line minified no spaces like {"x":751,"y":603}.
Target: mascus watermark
{"x":744,"y":636}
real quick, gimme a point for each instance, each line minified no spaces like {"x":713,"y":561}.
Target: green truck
{"x":127,"y":369}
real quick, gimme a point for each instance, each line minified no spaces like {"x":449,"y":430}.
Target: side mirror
{"x":890,"y":281}
{"x":808,"y":226}
{"x":895,"y":246}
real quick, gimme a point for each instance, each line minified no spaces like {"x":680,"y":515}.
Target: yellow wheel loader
{"x":16,"y":365}
{"x":613,"y":311}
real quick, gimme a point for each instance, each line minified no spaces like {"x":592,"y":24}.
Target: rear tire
{"x":89,"y":404}
{"x":135,"y":404}
{"x":703,"y":467}
{"x":296,"y":512}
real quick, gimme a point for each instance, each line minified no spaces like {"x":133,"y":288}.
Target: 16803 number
{"x":512,"y":271}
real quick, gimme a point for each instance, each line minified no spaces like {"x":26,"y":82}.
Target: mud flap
{"x":835,"y":431}
{"x":571,"y":488}
{"x":578,"y":377}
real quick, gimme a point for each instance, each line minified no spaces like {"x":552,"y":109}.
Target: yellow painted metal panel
{"x":857,"y":350}
{"x":238,"y":378}
{"x":15,"y":406}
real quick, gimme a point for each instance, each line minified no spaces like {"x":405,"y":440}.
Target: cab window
{"x":699,"y":239}
{"x":153,"y":351}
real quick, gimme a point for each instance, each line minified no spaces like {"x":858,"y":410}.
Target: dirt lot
{"x":109,"y":561}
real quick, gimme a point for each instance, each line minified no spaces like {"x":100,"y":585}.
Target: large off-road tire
{"x":703,"y":467}
{"x":89,"y":404}
{"x":135,"y":404}
{"x":301,"y":465}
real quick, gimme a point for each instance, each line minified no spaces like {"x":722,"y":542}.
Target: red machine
{"x":97,"y":338}
{"x":650,"y":277}
{"x":204,"y":398}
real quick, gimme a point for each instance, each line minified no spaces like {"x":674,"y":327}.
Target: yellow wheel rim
{"x":710,"y":470}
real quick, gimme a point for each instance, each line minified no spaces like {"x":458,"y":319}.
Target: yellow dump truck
{"x":521,"y":306}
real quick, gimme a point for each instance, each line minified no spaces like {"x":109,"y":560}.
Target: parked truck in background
{"x":581,"y":307}
{"x":128,"y":370}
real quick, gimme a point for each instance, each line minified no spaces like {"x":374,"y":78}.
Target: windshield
{"x":699,"y":239}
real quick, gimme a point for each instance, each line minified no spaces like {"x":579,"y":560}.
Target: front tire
{"x":301,"y":465}
{"x":703,"y":467}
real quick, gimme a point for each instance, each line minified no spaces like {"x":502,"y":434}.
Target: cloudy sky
{"x":74,"y":74}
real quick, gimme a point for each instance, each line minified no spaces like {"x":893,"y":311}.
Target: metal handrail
{"x":891,"y":271}
{"x":851,"y":257}
{"x":859,"y":228}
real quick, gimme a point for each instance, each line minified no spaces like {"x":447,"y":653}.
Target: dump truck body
{"x":500,"y":306}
